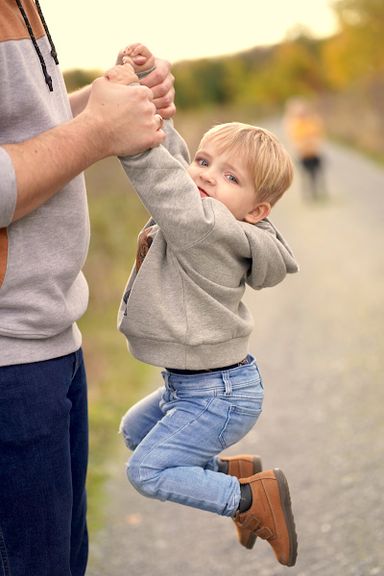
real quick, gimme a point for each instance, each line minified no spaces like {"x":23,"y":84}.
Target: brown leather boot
{"x":270,"y":515}
{"x":243,"y":466}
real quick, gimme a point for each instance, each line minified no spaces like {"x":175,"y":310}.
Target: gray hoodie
{"x":42,"y":289}
{"x":183,"y":308}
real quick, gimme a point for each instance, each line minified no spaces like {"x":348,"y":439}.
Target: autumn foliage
{"x":300,"y":65}
{"x":344,"y":71}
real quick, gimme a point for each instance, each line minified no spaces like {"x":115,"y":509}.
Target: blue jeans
{"x":43,"y":462}
{"x":177,"y":432}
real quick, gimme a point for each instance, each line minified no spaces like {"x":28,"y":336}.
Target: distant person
{"x":208,"y":237}
{"x":46,"y":140}
{"x":305,"y":130}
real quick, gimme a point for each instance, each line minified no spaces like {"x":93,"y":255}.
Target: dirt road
{"x":319,"y":342}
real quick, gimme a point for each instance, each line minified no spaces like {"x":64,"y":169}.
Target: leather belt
{"x":187,"y":372}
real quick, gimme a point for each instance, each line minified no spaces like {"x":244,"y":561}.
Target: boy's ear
{"x":261,"y":211}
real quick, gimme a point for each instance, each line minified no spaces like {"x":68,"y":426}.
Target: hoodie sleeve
{"x":175,"y":144}
{"x":272,"y":259}
{"x":8,"y":189}
{"x":163,"y":184}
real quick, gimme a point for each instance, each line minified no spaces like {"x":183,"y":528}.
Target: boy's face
{"x":224,"y":176}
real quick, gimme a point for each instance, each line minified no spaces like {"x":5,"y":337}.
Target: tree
{"x":362,"y":28}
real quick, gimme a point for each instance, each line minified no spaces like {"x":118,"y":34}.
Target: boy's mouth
{"x":203,"y":193}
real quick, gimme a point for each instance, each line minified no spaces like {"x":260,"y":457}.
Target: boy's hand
{"x":139,"y":55}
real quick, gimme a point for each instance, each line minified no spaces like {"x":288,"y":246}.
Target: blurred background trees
{"x":299,"y":65}
{"x":344,"y":73}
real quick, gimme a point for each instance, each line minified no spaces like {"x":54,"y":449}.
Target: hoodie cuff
{"x":8,"y":189}
{"x":145,"y":73}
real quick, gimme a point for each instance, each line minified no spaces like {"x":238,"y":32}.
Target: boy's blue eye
{"x":232,"y":178}
{"x":201,"y":162}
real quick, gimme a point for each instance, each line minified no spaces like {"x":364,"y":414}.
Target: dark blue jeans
{"x":43,"y":463}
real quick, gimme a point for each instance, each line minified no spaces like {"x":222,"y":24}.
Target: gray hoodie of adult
{"x":183,"y":308}
{"x":42,"y":289}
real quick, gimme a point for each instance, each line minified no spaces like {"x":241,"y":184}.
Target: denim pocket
{"x":244,"y":404}
{"x":246,"y":397}
{"x":238,"y":423}
{"x":4,"y":564}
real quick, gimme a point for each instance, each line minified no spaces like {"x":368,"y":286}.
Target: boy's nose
{"x":207,"y":176}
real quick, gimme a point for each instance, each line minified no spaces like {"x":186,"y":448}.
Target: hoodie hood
{"x":271,"y":257}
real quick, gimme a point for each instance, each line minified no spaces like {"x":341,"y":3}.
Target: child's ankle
{"x":245,"y":498}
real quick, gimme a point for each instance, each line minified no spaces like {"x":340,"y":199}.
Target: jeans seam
{"x":4,"y":555}
{"x":222,"y":433}
{"x":175,"y":433}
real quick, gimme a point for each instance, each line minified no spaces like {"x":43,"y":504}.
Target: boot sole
{"x":285,"y":499}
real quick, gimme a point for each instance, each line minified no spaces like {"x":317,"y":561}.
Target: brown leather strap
{"x":3,"y":253}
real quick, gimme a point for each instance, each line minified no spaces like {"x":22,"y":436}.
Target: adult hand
{"x":118,"y":120}
{"x":125,"y":117}
{"x":161,"y":82}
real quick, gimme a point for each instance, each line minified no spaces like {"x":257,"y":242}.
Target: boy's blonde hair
{"x":266,"y":158}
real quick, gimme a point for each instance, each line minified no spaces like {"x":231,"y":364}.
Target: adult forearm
{"x":47,"y":162}
{"x":117,"y":120}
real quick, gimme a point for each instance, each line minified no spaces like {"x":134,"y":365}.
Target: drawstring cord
{"x":47,"y":77}
{"x":53,"y":49}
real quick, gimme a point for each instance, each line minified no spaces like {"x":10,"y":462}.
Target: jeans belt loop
{"x":166,"y":375}
{"x":227,"y":384}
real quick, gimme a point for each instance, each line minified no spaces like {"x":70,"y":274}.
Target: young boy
{"x":182,"y":308}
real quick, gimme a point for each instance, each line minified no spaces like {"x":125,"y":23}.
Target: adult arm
{"x":116,"y":120}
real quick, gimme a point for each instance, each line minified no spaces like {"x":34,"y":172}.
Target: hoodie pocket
{"x":3,"y":254}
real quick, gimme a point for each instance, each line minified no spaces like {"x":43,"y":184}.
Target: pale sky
{"x":89,"y":34}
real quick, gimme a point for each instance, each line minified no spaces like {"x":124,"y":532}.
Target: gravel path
{"x":319,"y":343}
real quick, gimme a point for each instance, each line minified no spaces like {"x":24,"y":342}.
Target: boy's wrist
{"x":138,"y":69}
